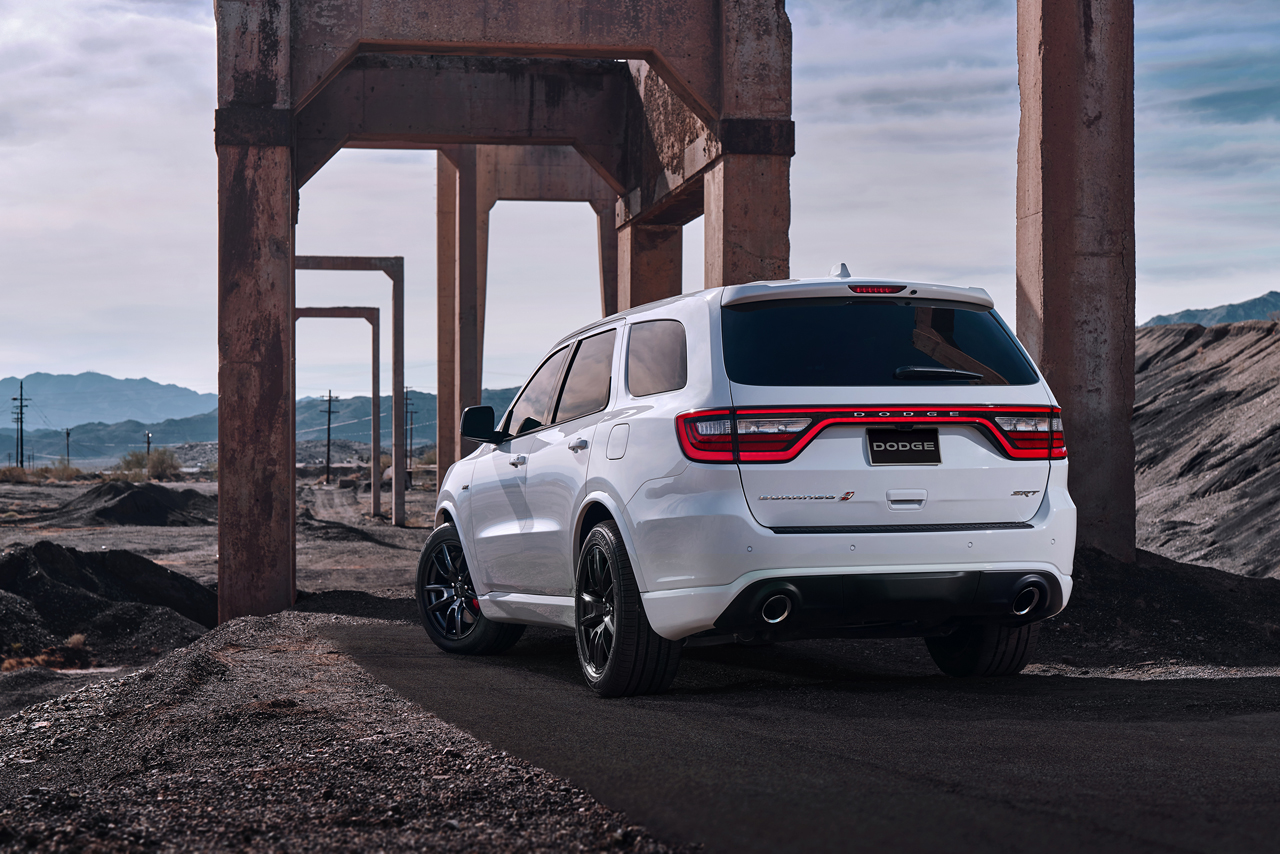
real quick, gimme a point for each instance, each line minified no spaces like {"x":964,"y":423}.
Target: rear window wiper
{"x":919,"y":372}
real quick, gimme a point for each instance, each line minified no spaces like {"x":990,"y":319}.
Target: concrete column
{"x":650,"y":260}
{"x":446,"y":262}
{"x":607,"y":236}
{"x":255,"y":380}
{"x":375,"y":427}
{"x":746,"y":219}
{"x":468,"y":341}
{"x":397,"y":397}
{"x":1075,"y":244}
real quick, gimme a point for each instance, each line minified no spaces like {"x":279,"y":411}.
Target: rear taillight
{"x":706,"y":436}
{"x":777,"y":435}
{"x":1035,"y":434}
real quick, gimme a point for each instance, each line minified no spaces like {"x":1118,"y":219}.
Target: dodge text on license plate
{"x":917,"y":447}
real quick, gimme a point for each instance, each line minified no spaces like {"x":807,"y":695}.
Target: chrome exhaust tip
{"x":776,"y":609}
{"x":1032,"y":593}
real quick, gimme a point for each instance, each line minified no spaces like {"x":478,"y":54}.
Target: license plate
{"x":917,"y":447}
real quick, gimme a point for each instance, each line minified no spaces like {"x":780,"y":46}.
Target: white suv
{"x":807,"y":458}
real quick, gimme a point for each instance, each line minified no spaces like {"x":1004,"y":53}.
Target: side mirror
{"x":477,"y":424}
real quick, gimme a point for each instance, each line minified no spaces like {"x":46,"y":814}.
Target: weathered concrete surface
{"x":255,"y":380}
{"x":748,"y":218}
{"x":1075,"y":243}
{"x":649,"y":263}
{"x":447,"y":414}
{"x":399,"y":101}
{"x":371,"y":314}
{"x":393,"y":266}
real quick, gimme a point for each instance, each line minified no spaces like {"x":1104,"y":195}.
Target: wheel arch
{"x":598,"y":507}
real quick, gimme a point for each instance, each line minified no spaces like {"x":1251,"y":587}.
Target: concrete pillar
{"x":607,"y":238}
{"x":747,"y":218}
{"x":446,"y":233}
{"x":398,"y":477}
{"x":1075,"y":243}
{"x":255,"y":381}
{"x":468,"y":340}
{"x":650,"y":261}
{"x":375,"y":428}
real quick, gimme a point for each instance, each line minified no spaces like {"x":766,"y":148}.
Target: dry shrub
{"x":62,"y":470}
{"x":13,"y":474}
{"x":161,"y":465}
{"x":73,"y":655}
{"x":426,"y":458}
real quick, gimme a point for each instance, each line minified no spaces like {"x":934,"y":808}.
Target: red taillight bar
{"x":713,"y":435}
{"x":878,"y":289}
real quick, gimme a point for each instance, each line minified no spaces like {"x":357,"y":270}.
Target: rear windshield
{"x":862,"y":342}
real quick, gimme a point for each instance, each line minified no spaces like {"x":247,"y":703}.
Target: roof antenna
{"x":840,"y":271}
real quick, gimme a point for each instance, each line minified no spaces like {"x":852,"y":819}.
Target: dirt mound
{"x":355,"y":603}
{"x":119,"y":502}
{"x":128,"y":608}
{"x":1158,"y":609}
{"x":1207,"y":429}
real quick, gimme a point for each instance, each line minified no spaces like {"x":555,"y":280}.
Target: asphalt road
{"x":857,"y":746}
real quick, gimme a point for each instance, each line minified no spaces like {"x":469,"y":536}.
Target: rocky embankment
{"x":1206,"y":423}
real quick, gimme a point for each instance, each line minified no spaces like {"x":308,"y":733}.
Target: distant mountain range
{"x":1259,"y":308}
{"x":98,"y":443}
{"x":65,"y":400}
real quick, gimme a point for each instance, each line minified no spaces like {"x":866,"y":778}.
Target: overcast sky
{"x":907,"y":119}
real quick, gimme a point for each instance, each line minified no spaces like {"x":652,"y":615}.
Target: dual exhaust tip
{"x":1030,"y":593}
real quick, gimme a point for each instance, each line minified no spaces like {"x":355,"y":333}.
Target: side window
{"x":586,"y":390}
{"x":533,"y":408}
{"x":657,"y":357}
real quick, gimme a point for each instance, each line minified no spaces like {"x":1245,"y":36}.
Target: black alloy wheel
{"x":449,"y":598}
{"x":619,"y":652}
{"x":448,"y":604}
{"x":597,"y":602}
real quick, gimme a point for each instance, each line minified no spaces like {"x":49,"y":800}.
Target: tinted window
{"x":847,"y":342}
{"x":657,"y":357}
{"x":586,"y":389}
{"x":538,"y":396}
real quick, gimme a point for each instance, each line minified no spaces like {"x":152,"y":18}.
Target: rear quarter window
{"x":657,"y":357}
{"x":865,"y":342}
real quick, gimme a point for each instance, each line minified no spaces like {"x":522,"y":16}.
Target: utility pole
{"x":409,"y":412}
{"x":18,"y":419}
{"x":68,"y":432}
{"x":328,"y":420}
{"x":148,"y":448}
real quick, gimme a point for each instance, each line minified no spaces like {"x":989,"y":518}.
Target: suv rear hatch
{"x":880,"y":405}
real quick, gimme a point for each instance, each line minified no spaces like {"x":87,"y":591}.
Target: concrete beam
{"x":375,"y":449}
{"x":428,"y":101}
{"x":393,"y":266}
{"x":1075,"y":242}
{"x":447,"y":414}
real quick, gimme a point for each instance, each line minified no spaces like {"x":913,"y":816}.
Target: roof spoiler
{"x":842,"y":287}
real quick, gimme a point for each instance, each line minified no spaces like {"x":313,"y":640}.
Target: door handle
{"x":578,"y":445}
{"x":518,"y":460}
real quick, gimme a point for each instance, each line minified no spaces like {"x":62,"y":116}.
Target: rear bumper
{"x":857,"y":602}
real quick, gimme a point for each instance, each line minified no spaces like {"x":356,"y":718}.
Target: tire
{"x":984,"y":650}
{"x":447,"y":601}
{"x":620,"y":655}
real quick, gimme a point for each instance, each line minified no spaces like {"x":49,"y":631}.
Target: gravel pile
{"x":260,"y":736}
{"x":118,"y":502}
{"x":129,"y":609}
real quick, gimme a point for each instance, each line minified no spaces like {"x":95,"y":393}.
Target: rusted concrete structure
{"x":1076,"y":243}
{"x":501,"y":172}
{"x":697,"y":119}
{"x":375,"y":449}
{"x":393,"y":266}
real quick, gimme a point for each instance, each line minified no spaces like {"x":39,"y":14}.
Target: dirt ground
{"x":340,"y":546}
{"x":261,"y":734}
